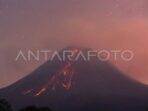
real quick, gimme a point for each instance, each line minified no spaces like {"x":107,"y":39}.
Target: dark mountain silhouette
{"x":78,"y":86}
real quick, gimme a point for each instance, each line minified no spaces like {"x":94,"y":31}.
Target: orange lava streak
{"x":67,"y":83}
{"x":40,"y":92}
{"x":65,"y":75}
{"x":63,"y":78}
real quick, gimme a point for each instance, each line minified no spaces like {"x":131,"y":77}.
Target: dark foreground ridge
{"x":78,"y":86}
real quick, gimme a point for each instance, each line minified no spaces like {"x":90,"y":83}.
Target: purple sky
{"x":53,"y":24}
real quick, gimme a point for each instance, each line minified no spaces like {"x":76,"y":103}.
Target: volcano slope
{"x":78,"y":86}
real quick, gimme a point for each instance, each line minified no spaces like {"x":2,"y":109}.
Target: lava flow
{"x":63,"y":78}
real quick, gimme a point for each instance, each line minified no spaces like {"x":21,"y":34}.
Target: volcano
{"x":79,"y":85}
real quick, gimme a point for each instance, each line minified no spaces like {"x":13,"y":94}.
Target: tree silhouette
{"x":33,"y":108}
{"x":4,"y":105}
{"x":29,"y":108}
{"x":44,"y":109}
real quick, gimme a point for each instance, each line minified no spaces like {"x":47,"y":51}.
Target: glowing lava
{"x":63,"y":78}
{"x":40,"y":92}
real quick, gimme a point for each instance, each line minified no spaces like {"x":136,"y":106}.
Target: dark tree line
{"x":33,"y":108}
{"x":5,"y":106}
